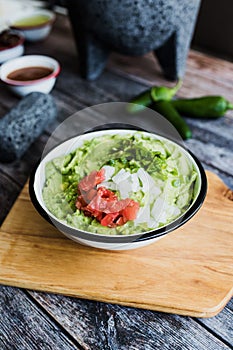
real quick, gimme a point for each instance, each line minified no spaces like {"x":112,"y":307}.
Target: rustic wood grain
{"x":201,"y":251}
{"x":222,"y":325}
{"x":230,"y":305}
{"x":9,"y":191}
{"x":197,"y":82}
{"x":102,"y":326}
{"x":24,"y":327}
{"x":19,"y":170}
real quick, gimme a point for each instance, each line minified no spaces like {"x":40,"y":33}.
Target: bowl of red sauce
{"x":11,"y":45}
{"x":29,"y":73}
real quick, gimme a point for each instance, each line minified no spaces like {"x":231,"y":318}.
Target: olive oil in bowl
{"x":35,"y":25}
{"x":32,"y":21}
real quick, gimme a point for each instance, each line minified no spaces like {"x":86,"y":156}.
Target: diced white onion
{"x":143,"y":215}
{"x":124,"y":187}
{"x":109,"y":185}
{"x":155,"y":209}
{"x":109,"y":171}
{"x":120,"y":176}
{"x":142,"y":174}
{"x":135,"y":182}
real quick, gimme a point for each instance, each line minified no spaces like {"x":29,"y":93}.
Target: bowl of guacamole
{"x":118,"y":189}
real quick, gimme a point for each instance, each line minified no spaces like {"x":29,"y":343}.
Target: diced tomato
{"x":103,"y":199}
{"x":117,"y":205}
{"x":80,"y":203}
{"x":90,"y":195}
{"x":103,"y":203}
{"x":109,"y":220}
{"x":87,"y":213}
{"x":91,"y":180}
{"x":93,"y":213}
{"x":120,"y":221}
{"x":103,"y":192}
{"x":100,"y":176}
{"x":100,"y":216}
{"x":87,"y":183}
{"x":95,"y":204}
{"x":130,"y":212}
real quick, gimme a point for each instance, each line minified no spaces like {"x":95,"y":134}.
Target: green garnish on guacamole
{"x":155,"y":173}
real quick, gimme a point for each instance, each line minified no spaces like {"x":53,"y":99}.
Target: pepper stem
{"x":177,"y":86}
{"x":163,"y":93}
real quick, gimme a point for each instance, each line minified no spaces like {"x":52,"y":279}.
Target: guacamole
{"x":155,"y":173}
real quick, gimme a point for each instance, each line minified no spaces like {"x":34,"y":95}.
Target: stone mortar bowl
{"x":133,"y":27}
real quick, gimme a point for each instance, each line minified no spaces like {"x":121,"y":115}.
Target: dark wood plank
{"x":204,"y":74}
{"x":218,"y":157}
{"x":19,"y":170}
{"x":24,"y":326}
{"x":9,"y":191}
{"x":228,"y":180}
{"x":8,"y":99}
{"x":230,"y":305}
{"x":217,"y":132}
{"x":104,"y":326}
{"x":221,"y":325}
{"x":3,"y":110}
{"x":98,"y":325}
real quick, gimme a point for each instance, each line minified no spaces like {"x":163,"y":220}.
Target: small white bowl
{"x":23,"y":88}
{"x":12,"y":51}
{"x":35,"y":32}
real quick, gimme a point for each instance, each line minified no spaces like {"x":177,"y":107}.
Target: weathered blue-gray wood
{"x":57,"y":322}
{"x":230,"y":305}
{"x":23,"y":326}
{"x":9,"y":190}
{"x":105,"y":326}
{"x":222,"y":325}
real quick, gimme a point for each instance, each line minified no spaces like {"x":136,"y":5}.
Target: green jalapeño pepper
{"x":140,"y":102}
{"x":163,"y":93}
{"x":154,"y":94}
{"x":166,"y":109}
{"x":203,"y":107}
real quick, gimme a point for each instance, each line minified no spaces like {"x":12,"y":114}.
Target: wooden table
{"x":36,"y":320}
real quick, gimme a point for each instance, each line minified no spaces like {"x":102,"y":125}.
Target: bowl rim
{"x":20,"y":41}
{"x":54,"y":74}
{"x":50,"y":14}
{"x":133,"y":238}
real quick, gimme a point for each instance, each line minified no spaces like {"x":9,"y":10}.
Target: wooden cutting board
{"x":188,"y":272}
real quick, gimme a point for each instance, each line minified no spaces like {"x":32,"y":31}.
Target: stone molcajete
{"x":133,"y":27}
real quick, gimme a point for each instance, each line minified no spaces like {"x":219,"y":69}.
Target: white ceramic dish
{"x":23,"y":88}
{"x":12,"y":51}
{"x":118,"y":242}
{"x":37,"y":32}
